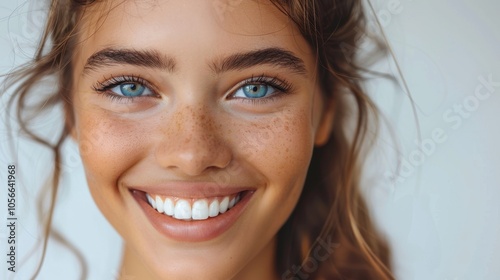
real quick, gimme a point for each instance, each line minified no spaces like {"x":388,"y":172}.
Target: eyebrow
{"x":271,"y":56}
{"x":145,"y":58}
{"x":150,"y":58}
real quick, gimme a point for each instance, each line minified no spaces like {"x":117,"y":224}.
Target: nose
{"x":193,"y":142}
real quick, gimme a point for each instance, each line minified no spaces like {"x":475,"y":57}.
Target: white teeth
{"x":150,"y":200}
{"x":159,"y":204}
{"x":213,"y":210}
{"x":168,"y":207}
{"x":182,"y":210}
{"x":231,"y":203}
{"x":153,"y":203}
{"x":200,"y":210}
{"x":223,"y":205}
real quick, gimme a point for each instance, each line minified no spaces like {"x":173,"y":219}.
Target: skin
{"x":194,"y":131}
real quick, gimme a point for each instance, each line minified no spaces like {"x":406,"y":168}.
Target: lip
{"x":192,"y":231}
{"x":191,"y":190}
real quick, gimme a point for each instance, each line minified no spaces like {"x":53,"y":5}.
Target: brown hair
{"x":331,"y":206}
{"x":331,"y":209}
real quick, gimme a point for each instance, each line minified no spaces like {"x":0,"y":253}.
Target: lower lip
{"x":192,"y":231}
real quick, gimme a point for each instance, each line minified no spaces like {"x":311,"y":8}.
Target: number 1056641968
{"x":11,"y":188}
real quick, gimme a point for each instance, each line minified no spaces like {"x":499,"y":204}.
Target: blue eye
{"x":131,"y":89}
{"x":125,"y":88}
{"x":254,"y":91}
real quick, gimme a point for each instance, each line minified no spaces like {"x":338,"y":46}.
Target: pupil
{"x":255,"y":90}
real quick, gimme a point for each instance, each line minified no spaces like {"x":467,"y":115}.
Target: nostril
{"x":194,"y":159}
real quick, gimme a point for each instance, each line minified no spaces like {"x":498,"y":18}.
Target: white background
{"x":441,"y":214}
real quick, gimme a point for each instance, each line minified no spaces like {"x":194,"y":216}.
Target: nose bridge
{"x":193,"y":142}
{"x":196,"y":119}
{"x":196,"y":126}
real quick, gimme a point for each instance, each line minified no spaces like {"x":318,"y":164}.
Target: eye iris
{"x":132,"y":89}
{"x":255,"y":91}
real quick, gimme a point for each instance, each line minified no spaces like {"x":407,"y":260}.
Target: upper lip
{"x":191,"y":189}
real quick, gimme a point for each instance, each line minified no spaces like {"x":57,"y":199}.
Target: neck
{"x":132,"y":266}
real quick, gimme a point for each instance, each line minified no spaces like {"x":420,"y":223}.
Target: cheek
{"x":282,"y":146}
{"x":103,"y":146}
{"x":108,"y":147}
{"x":281,"y":150}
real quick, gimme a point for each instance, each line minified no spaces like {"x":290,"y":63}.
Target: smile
{"x":192,"y":209}
{"x":184,"y":215}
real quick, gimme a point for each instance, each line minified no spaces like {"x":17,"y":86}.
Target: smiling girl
{"x":214,"y":134}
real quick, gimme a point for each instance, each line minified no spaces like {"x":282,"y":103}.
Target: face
{"x":196,"y":122}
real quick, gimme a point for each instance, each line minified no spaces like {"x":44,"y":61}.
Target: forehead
{"x":189,"y":27}
{"x":252,"y":16}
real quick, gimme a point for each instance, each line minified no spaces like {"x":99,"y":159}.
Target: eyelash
{"x":281,"y":86}
{"x":106,"y":86}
